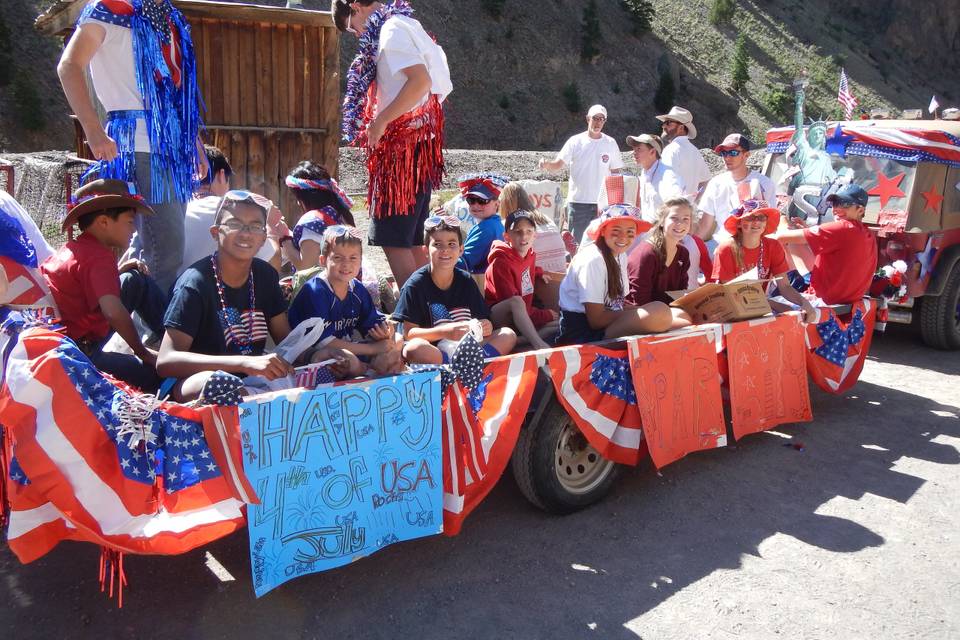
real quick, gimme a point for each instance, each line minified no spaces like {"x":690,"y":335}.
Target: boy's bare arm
{"x":177,"y":361}
{"x":416,"y":87}
{"x":76,"y":57}
{"x":446,"y":331}
{"x":789,"y":236}
{"x":119,"y":318}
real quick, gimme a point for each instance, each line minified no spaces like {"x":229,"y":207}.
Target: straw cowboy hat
{"x":684,"y":117}
{"x":101,"y":195}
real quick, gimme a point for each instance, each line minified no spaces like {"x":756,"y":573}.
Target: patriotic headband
{"x":299,"y":184}
{"x":492,"y":181}
{"x":749,"y":205}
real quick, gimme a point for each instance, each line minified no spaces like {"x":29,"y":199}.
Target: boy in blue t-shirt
{"x":440,"y":303}
{"x":344,"y":303}
{"x":482,"y":192}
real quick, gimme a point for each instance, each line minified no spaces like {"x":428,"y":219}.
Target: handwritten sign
{"x":341,"y":472}
{"x":677,"y":384}
{"x":768,"y":374}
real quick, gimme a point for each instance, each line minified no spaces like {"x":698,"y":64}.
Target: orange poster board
{"x":767,"y":374}
{"x":678,"y":392}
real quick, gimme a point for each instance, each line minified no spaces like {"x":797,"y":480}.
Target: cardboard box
{"x":740,"y":299}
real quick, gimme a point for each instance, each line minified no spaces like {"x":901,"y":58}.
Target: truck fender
{"x":941,"y":271}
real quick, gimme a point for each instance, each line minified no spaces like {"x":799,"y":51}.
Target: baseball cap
{"x":519,"y":214}
{"x":597,"y":109}
{"x":645,"y":138}
{"x":733,"y":140}
{"x":849,"y":194}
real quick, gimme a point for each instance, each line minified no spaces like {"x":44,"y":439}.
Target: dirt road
{"x":855,"y":536}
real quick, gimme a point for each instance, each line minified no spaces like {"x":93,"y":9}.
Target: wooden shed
{"x":270,"y":80}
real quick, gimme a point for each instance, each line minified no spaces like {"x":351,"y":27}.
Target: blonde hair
{"x":657,"y":235}
{"x":513,"y":197}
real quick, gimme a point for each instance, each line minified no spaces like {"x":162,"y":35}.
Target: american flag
{"x":311,"y":375}
{"x":441,"y":314}
{"x":74,"y":475}
{"x":844,"y":97}
{"x":837,"y":349}
{"x":238,"y":326}
{"x":595,"y":387}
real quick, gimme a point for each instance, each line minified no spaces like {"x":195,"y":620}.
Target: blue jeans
{"x":159,"y":238}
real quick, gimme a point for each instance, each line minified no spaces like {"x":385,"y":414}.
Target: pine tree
{"x":741,"y":61}
{"x":721,"y":11}
{"x":641,"y":14}
{"x":590,"y":34}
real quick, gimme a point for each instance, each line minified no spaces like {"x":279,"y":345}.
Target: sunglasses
{"x":730,"y":153}
{"x":340,"y":230}
{"x":477,"y":200}
{"x":753,"y":220}
{"x":435,"y":221}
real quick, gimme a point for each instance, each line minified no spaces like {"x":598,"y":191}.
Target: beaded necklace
{"x":244,"y":344}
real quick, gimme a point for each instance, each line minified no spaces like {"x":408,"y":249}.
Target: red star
{"x":887,"y":188}
{"x":934,"y":199}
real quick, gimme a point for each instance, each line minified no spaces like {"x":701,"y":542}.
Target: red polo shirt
{"x":79,"y":274}
{"x":845,"y":260}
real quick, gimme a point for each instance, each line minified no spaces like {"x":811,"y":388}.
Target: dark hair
{"x":87,"y":219}
{"x":341,"y":11}
{"x":318,"y":198}
{"x":218,"y":162}
{"x":443,"y":226}
{"x":614,"y":281}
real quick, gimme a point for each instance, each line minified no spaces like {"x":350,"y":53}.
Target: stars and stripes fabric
{"x":844,"y":97}
{"x":902,"y":144}
{"x":311,"y":375}
{"x":837,"y":349}
{"x":81,"y":473}
{"x":440,"y":314}
{"x":480,"y":430}
{"x":313,"y":223}
{"x":595,"y":386}
{"x":240,"y":330}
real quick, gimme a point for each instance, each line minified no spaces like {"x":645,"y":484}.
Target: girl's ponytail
{"x":614,"y":277}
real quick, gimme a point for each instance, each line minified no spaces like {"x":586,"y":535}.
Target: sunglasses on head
{"x":435,"y":221}
{"x":477,"y":200}
{"x":730,"y":153}
{"x":340,"y":230}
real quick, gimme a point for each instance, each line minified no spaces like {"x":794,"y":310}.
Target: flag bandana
{"x":837,"y":350}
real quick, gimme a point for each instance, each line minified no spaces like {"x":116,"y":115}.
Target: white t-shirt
{"x":12,"y":207}
{"x":404,"y":43}
{"x":113,"y":77}
{"x":687,"y":162}
{"x":590,"y":161}
{"x":586,"y":281}
{"x":723,"y":194}
{"x":197,"y":241}
{"x":657,"y":185}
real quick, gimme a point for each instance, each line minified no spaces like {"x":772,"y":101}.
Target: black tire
{"x":940,"y":315}
{"x":553,"y":486}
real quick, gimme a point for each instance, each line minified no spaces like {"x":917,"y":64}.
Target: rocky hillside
{"x":521,"y":83}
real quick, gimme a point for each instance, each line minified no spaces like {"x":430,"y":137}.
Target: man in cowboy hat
{"x":680,"y":154}
{"x":591,"y":155}
{"x":94,"y":295}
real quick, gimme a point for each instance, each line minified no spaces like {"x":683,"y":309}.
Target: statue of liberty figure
{"x":810,"y":155}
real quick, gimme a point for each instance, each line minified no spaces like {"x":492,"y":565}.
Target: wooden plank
{"x":308,"y":69}
{"x":271,"y":166}
{"x":248,"y":79}
{"x":263,"y":47}
{"x":294,"y":66}
{"x":238,"y":158}
{"x":255,"y":165}
{"x":205,"y":75}
{"x":289,"y":158}
{"x":317,"y":78}
{"x":231,"y":73}
{"x":252,"y":13}
{"x":330,"y":99}
{"x":280,"y":76}
{"x":215,"y":108}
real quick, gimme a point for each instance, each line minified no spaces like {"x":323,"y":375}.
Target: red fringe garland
{"x":408,"y":157}
{"x":111,"y":571}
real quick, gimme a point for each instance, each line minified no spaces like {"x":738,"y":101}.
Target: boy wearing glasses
{"x":482,"y":193}
{"x":727,"y":191}
{"x":224,"y":306}
{"x":440,"y":303}
{"x":344,"y":303}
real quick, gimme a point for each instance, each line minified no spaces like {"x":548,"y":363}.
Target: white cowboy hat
{"x":684,"y":117}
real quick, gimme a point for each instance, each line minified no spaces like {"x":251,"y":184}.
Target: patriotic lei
{"x":363,"y":69}
{"x":330,"y":185}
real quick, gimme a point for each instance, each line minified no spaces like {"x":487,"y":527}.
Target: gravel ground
{"x":856,"y":536}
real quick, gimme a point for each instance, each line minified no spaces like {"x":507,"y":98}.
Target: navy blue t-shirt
{"x":426,"y":305}
{"x":195,"y":309}
{"x":316,"y":299}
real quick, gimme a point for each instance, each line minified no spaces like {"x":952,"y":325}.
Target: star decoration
{"x":934,"y":199}
{"x":925,"y":258}
{"x":837,"y":143}
{"x":887,"y":188}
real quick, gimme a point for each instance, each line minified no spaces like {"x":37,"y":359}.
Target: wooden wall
{"x":273,"y":99}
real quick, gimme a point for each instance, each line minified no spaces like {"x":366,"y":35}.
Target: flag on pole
{"x":844,"y":97}
{"x":934,"y":105}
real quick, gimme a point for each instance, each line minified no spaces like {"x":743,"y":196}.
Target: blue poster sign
{"x":341,"y":472}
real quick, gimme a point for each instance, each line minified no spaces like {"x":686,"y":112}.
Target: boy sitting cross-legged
{"x":224,"y":306}
{"x":509,"y":283}
{"x":339,"y":298}
{"x":439,"y":301}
